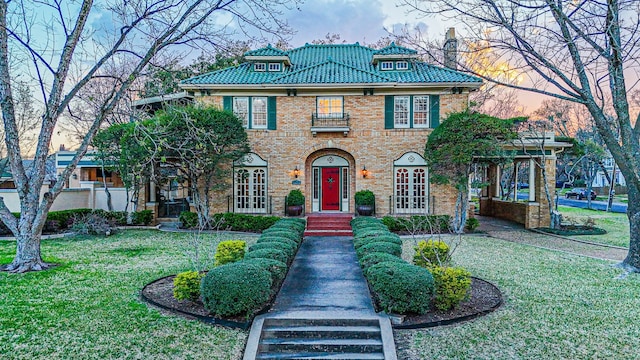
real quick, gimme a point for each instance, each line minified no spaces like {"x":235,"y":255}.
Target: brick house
{"x":331,"y":120}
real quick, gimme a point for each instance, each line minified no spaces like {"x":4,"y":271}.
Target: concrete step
{"x":322,"y":355}
{"x":328,"y":233}
{"x":311,"y":332}
{"x":328,"y":227}
{"x":328,"y":345}
{"x":280,"y":322}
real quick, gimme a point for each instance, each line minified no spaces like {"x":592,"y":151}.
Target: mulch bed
{"x":485,"y":297}
{"x":569,"y":230}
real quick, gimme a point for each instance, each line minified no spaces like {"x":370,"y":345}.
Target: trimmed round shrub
{"x":385,"y":247}
{"x":431,"y":253}
{"x":286,"y":247}
{"x":390,"y":238}
{"x":286,"y":234}
{"x":371,"y":232}
{"x":268,"y":254}
{"x":186,"y":285}
{"x":239,"y":288}
{"x":229,"y":251}
{"x":269,"y":238}
{"x":375,"y":258}
{"x":188,"y":219}
{"x":277,"y":269}
{"x":401,"y":288}
{"x":297,"y":224}
{"x":452,"y":286}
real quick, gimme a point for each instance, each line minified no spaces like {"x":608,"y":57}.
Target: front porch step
{"x":329,"y":225}
{"x":322,"y":355}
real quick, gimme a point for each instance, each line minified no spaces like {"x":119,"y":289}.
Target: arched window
{"x":250,"y":185}
{"x":411,"y":185}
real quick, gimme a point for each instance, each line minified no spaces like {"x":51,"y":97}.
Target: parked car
{"x":579,"y":193}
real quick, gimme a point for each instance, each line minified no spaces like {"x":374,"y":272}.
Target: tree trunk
{"x":462,"y":204}
{"x":632,"y":261}
{"x":28,"y":256}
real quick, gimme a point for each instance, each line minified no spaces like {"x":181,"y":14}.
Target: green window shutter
{"x":388,"y":112}
{"x":271,"y":113}
{"x":411,"y":111}
{"x":434,"y":102}
{"x":227,"y":103}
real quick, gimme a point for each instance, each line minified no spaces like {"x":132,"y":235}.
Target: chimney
{"x":451,"y":49}
{"x":62,"y":147}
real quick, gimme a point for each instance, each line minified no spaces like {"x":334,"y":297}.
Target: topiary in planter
{"x":375,"y":258}
{"x":288,"y":248}
{"x":269,"y":254}
{"x":401,"y":288}
{"x":385,"y":247}
{"x":294,"y":202}
{"x":365,"y":202}
{"x":236,"y":289}
{"x":277,"y":269}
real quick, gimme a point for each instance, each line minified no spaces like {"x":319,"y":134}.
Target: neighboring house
{"x":89,"y":169}
{"x":600,"y":180}
{"x":6,"y":178}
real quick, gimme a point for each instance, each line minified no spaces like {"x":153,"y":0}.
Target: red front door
{"x":331,"y":188}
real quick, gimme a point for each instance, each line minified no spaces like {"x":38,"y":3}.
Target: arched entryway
{"x":331,"y":180}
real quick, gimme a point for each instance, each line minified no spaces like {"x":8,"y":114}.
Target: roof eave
{"x":470,"y":85}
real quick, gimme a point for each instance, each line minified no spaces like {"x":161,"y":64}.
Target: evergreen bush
{"x":431,"y":253}
{"x":229,"y":251}
{"x":275,"y":254}
{"x":277,"y":269}
{"x":452,"y":286}
{"x":186,"y":285}
{"x":286,"y":247}
{"x":385,"y":247}
{"x":401,"y":288}
{"x":236,"y":289}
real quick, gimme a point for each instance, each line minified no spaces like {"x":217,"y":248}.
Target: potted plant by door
{"x":365,"y":201}
{"x":294,"y":202}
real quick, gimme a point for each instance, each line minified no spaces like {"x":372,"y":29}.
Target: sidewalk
{"x":325,"y":276}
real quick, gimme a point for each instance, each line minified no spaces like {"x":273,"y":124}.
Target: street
{"x":595,"y":205}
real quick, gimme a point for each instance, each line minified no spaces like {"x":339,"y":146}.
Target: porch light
{"x":365,"y":172}
{"x":296,"y":172}
{"x":74,"y":176}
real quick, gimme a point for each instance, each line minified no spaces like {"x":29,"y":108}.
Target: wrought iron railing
{"x":329,"y":120}
{"x":407,"y":205}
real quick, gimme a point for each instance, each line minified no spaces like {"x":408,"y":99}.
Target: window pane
{"x":259,"y":112}
{"x":421,"y":111}
{"x":329,"y":107}
{"x":401,"y":111}
{"x":241,"y":109}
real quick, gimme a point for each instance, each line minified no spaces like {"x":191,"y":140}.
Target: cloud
{"x":353,"y":20}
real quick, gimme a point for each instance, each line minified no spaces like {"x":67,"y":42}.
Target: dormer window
{"x":386,"y":65}
{"x":274,"y":66}
{"x":402,"y":65}
{"x":260,"y":67}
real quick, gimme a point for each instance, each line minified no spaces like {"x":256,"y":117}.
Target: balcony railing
{"x":330,"y":123}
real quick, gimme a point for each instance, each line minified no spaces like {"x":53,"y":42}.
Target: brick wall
{"x":368,"y":144}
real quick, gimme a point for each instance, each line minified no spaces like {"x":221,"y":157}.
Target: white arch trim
{"x":251,"y":159}
{"x":330,"y":160}
{"x":411,"y":158}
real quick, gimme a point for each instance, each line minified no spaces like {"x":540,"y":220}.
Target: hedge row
{"x":418,"y":223}
{"x":397,"y":286}
{"x":64,"y":219}
{"x":231,"y":221}
{"x":243,"y":288}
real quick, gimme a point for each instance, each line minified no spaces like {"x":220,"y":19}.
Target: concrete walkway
{"x":325,"y":276}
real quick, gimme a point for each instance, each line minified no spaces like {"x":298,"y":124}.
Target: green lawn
{"x":558,"y":306}
{"x":617,"y":225}
{"x":90,"y":308}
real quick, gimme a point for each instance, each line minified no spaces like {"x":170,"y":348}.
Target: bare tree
{"x":580,"y":51}
{"x":65,"y":51}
